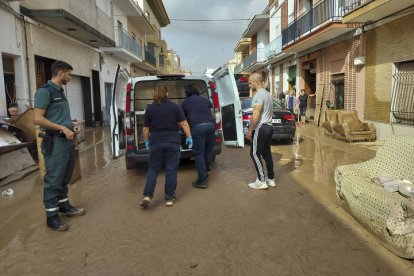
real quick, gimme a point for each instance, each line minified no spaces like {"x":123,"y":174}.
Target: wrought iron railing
{"x":129,"y":43}
{"x":351,"y":5}
{"x":150,"y":57}
{"x":324,"y":11}
{"x":274,"y":48}
{"x":402,"y":100}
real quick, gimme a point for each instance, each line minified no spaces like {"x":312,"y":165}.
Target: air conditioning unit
{"x":359,"y":60}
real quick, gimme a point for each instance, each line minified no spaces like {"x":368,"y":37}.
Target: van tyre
{"x":129,"y":164}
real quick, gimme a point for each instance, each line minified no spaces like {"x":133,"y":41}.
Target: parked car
{"x":132,"y":95}
{"x":283,"y":121}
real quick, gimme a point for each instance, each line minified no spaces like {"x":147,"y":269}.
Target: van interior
{"x":143,"y":95}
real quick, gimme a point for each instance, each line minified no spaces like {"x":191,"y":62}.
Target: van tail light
{"x":128,"y":127}
{"x":289,"y":117}
{"x":218,"y":140}
{"x":216,"y":104}
{"x":247,"y":117}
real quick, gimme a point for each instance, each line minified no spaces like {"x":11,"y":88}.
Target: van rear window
{"x":143,"y":91}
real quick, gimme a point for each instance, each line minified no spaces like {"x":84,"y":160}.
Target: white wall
{"x":386,"y":130}
{"x":262,"y":42}
{"x":275,"y":25}
{"x":11,"y":44}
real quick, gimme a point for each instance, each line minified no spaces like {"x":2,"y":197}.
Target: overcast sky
{"x":202,"y":45}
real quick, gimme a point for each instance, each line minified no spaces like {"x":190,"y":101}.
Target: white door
{"x":75,"y":98}
{"x":230,"y":106}
{"x":117,"y":111}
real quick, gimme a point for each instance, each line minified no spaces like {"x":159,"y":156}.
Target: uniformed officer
{"x":51,"y":113}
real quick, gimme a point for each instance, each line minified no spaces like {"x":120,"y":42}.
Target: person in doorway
{"x":260,"y":133}
{"x":198,"y":112}
{"x":162,"y":138}
{"x":290,"y":100}
{"x":13,"y":111}
{"x":51,"y":113}
{"x":303,"y":104}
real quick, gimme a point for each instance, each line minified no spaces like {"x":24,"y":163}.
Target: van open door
{"x":230,"y":107}
{"x":117,"y":111}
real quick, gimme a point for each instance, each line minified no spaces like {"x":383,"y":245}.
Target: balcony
{"x":127,"y":48}
{"x":319,"y":24}
{"x":150,"y":58}
{"x":134,"y":12}
{"x":254,"y":61}
{"x":273,"y":51}
{"x":71,"y":24}
{"x":366,"y":10}
{"x":255,"y":25}
{"x":243,"y":45}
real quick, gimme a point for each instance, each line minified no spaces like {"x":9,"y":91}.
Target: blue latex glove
{"x":189,"y":142}
{"x":147,"y":144}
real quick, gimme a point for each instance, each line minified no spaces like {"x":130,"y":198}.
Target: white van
{"x":132,"y":95}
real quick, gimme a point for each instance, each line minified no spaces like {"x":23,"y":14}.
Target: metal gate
{"x":402,"y":98}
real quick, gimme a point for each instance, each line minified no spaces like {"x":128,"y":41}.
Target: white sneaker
{"x":258,"y":185}
{"x":271,"y":182}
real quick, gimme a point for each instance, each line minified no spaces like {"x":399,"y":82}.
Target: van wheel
{"x":129,"y":164}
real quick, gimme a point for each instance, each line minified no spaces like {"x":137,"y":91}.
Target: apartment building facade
{"x":94,"y":36}
{"x":332,"y":49}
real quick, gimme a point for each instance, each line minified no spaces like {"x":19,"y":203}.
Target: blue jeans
{"x":167,"y":154}
{"x":204,"y":139}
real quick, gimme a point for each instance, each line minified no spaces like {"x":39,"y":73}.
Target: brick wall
{"x":392,"y":42}
{"x":339,"y":58}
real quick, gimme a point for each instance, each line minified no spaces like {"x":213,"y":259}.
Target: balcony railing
{"x":351,"y":5}
{"x":324,"y":11}
{"x":161,"y":59}
{"x":238,"y":68}
{"x":274,"y":48}
{"x":150,"y":57}
{"x":128,"y":43}
{"x":250,"y":60}
{"x":256,"y":56}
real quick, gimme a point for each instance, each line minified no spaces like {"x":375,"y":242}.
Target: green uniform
{"x":60,"y":162}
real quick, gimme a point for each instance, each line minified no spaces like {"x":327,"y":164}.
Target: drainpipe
{"x":29,"y":84}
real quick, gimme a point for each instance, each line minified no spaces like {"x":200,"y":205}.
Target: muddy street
{"x":296,"y":228}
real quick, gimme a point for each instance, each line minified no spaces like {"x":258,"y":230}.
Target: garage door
{"x":75,"y":98}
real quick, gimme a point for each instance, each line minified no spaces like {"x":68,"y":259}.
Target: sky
{"x":202,"y":45}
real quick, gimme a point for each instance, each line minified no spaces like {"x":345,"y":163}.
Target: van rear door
{"x":230,"y":106}
{"x":117,"y":111}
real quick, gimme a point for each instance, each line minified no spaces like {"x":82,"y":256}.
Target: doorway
{"x":9,"y":81}
{"x":97,"y":111}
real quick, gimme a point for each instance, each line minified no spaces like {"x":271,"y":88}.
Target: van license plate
{"x":276,"y":121}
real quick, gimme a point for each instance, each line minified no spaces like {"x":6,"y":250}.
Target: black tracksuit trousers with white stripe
{"x":261,"y":143}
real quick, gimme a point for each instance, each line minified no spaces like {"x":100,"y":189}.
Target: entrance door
{"x":117,"y":110}
{"x":230,"y":107}
{"x":75,"y":99}
{"x":96,"y":88}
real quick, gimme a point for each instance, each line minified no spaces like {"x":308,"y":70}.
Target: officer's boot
{"x":70,"y":211}
{"x":56,"y":224}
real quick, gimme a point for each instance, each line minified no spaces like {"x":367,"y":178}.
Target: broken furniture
{"x":351,"y":128}
{"x":389,"y":215}
{"x":330,"y":120}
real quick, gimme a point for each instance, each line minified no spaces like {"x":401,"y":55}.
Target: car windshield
{"x":277,"y":104}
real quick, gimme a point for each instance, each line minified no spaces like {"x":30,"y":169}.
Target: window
{"x":402,"y":98}
{"x":105,"y":6}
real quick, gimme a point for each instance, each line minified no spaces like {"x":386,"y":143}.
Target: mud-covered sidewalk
{"x":296,"y":228}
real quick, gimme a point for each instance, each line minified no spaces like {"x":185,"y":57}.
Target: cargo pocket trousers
{"x":60,"y":164}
